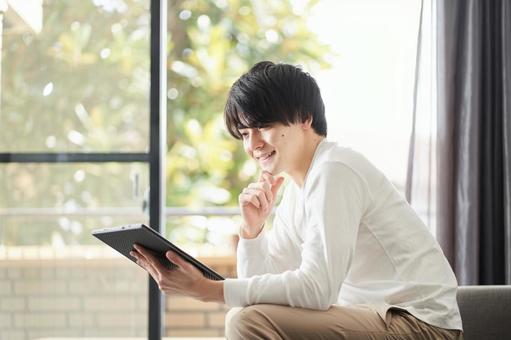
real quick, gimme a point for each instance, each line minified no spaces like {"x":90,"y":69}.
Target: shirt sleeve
{"x":273,"y":251}
{"x":334,"y":204}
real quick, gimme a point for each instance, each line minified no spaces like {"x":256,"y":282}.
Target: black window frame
{"x":155,"y":157}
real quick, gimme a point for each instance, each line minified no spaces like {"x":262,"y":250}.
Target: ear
{"x":307,"y":124}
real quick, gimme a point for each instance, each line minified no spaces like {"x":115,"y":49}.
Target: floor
{"x":117,"y":338}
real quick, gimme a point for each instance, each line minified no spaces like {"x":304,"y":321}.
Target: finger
{"x":260,"y":185}
{"x":155,"y":262}
{"x":139,"y":252}
{"x":266,"y":187}
{"x":143,"y":251}
{"x":135,"y":255}
{"x":144,"y":264}
{"x":261,"y":176}
{"x":151,"y":258}
{"x":178,"y":260}
{"x":263,"y":196}
{"x":272,"y":181}
{"x":246,"y":199}
{"x":255,"y":200}
{"x":268,"y":177}
{"x":276,"y":185}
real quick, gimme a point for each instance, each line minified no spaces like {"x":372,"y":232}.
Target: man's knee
{"x":244,"y":323}
{"x":231,"y":321}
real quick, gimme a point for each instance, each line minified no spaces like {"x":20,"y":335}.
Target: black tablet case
{"x":122,"y":239}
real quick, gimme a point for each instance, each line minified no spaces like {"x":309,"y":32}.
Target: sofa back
{"x":485,"y":312}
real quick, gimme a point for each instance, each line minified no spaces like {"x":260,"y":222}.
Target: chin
{"x":267,"y":169}
{"x":273,"y":170}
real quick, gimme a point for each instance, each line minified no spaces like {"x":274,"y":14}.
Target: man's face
{"x":274,"y":148}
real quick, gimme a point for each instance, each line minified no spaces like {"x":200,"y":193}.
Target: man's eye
{"x":244,"y":134}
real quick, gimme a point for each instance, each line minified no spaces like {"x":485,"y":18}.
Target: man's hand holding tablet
{"x":184,"y":279}
{"x":175,"y":271}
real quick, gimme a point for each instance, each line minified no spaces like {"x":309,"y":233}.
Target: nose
{"x":255,"y":141}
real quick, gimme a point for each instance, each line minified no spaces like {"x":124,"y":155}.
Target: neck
{"x":298,"y":175}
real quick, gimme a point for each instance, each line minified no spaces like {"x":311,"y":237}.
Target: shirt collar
{"x":320,"y":148}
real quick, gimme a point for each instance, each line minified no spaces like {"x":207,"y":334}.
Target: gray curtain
{"x":471,"y":176}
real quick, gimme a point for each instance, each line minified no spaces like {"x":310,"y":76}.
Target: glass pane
{"x":56,"y":279}
{"x":69,"y":192}
{"x":75,"y":76}
{"x":211,"y":43}
{"x":204,"y":233}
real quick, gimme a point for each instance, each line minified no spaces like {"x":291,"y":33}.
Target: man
{"x":347,"y":258}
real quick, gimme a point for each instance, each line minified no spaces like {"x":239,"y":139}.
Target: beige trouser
{"x":355,"y":322}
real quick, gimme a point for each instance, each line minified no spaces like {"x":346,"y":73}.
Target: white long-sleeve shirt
{"x":346,"y":237}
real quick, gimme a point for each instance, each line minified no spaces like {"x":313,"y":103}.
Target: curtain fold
{"x":506,"y":107}
{"x":469,"y":174}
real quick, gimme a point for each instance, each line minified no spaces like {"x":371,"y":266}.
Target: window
{"x":75,"y":132}
{"x":211,"y":43}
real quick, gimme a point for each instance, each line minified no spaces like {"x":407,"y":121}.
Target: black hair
{"x":274,"y":93}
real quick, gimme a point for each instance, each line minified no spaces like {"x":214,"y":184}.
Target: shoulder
{"x":332,"y":153}
{"x":333,"y":162}
{"x":337,"y":170}
{"x":333,"y":173}
{"x":336,"y":187}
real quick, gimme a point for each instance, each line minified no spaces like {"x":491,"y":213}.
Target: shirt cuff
{"x":236,"y":292}
{"x":253,"y":246}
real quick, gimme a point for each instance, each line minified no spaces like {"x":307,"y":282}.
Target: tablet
{"x":122,"y":239}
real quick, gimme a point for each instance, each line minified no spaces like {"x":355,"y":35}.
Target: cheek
{"x":246,"y":148}
{"x":279,"y":138}
{"x":272,"y":137}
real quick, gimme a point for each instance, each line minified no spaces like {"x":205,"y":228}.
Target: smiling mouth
{"x":266,"y":156}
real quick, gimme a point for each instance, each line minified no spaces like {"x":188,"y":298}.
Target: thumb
{"x":277,"y":183}
{"x":265,"y":176}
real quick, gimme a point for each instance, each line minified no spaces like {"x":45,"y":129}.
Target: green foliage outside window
{"x":82,"y":85}
{"x":211,"y":44}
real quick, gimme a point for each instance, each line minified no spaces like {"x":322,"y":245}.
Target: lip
{"x":263,"y":158}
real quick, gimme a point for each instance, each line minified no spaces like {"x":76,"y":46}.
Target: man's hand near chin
{"x":256,"y":203}
{"x":185,"y":279}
